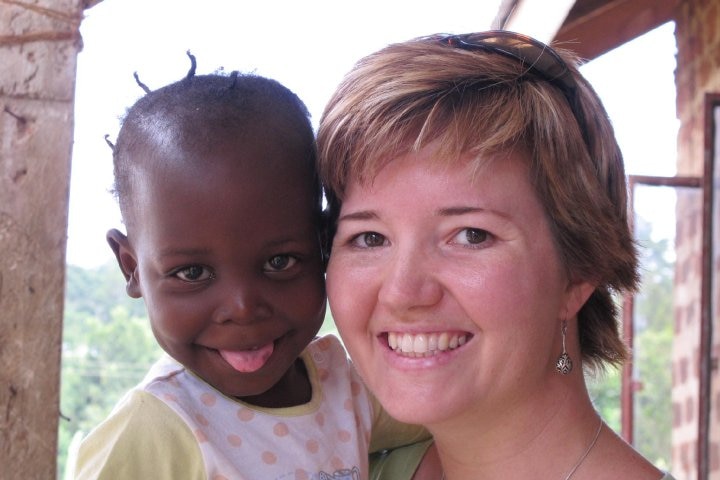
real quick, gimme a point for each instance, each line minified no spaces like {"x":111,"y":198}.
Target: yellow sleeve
{"x":388,"y":433}
{"x":142,"y":438}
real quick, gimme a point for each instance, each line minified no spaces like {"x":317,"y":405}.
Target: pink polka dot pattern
{"x":269,"y":458}
{"x":245,"y":414}
{"x":312,"y":445}
{"x":208,"y":399}
{"x":344,"y":436}
{"x":337,"y":463}
{"x":202,"y":420}
{"x":281,"y":429}
{"x":355,"y":388}
{"x":234,"y":440}
{"x":297,"y":444}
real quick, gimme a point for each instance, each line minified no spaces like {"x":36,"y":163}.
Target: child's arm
{"x":142,"y":438}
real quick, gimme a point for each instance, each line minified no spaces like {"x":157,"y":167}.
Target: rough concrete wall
{"x":698,"y":36}
{"x":39,"y":42}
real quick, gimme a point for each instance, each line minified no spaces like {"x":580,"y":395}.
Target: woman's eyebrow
{"x":459,"y":210}
{"x":464,"y":210}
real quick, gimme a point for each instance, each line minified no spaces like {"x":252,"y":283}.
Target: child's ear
{"x":126,"y":259}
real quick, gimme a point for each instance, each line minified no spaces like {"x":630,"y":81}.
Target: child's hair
{"x":198,"y":113}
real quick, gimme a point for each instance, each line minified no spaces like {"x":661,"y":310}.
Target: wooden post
{"x":39,"y":43}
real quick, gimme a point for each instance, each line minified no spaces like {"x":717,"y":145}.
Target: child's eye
{"x":369,"y":240}
{"x":279,"y":263}
{"x":471,"y":236}
{"x":194,"y":273}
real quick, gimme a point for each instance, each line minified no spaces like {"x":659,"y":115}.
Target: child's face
{"x":226,"y":255}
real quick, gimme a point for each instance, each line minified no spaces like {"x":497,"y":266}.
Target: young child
{"x":216,"y":180}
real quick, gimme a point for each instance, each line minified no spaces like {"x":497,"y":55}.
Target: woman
{"x":477,"y":201}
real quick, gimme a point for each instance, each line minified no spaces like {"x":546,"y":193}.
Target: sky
{"x":309,"y":46}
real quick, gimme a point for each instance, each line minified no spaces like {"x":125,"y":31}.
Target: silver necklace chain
{"x":587,"y":452}
{"x":581,"y":459}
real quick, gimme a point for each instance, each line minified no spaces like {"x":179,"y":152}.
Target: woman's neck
{"x":534,"y":439}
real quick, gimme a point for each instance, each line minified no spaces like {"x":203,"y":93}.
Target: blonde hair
{"x":473,"y":101}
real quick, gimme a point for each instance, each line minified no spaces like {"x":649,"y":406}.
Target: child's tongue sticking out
{"x":247,"y":361}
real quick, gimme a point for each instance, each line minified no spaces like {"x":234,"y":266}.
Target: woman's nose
{"x":409,"y":281}
{"x":242,"y":301}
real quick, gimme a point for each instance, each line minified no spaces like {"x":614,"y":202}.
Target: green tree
{"x":653,"y":344}
{"x":653,"y":325}
{"x":107,"y":348}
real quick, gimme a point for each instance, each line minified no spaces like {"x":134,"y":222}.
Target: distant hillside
{"x":97,"y":291}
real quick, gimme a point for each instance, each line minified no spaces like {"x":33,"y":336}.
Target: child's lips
{"x":248,"y":361}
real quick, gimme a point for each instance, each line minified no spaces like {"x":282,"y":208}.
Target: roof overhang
{"x":588,"y":27}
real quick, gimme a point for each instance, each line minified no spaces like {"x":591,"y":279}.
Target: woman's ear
{"x":577,"y":294}
{"x":127,"y":261}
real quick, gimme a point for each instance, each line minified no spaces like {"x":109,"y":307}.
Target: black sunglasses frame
{"x":536,"y":56}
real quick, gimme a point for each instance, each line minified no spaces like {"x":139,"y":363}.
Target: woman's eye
{"x":369,"y":240}
{"x":278,"y":263}
{"x":472,"y":236}
{"x":194,"y":273}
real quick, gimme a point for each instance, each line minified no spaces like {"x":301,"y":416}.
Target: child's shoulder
{"x":327,"y":354}
{"x":165,"y":367}
{"x":327,"y":345}
{"x":139,"y":428}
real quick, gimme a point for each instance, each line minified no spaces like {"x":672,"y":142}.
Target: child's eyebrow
{"x":176,"y":252}
{"x":283,"y":240}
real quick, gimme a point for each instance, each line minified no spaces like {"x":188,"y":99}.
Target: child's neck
{"x":293,"y":389}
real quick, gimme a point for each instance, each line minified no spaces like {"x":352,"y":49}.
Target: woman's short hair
{"x":476,"y":101}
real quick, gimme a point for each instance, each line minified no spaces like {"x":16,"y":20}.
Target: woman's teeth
{"x":424,"y":344}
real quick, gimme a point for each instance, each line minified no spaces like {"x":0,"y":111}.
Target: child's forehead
{"x":229,"y":163}
{"x":210,"y":129}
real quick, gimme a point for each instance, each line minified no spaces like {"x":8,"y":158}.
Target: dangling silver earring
{"x":564,"y":363}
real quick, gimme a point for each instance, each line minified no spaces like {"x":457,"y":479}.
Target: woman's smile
{"x":420,"y":345}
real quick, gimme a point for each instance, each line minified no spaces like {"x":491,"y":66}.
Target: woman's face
{"x":447,"y":288}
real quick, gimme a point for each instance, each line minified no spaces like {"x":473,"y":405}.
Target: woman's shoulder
{"x":617,"y":459}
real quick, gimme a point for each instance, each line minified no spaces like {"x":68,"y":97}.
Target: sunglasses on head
{"x":537,"y":57}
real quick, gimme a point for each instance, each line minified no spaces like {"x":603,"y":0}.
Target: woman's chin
{"x":412,"y":405}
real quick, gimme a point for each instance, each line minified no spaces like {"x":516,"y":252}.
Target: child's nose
{"x":242,"y":302}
